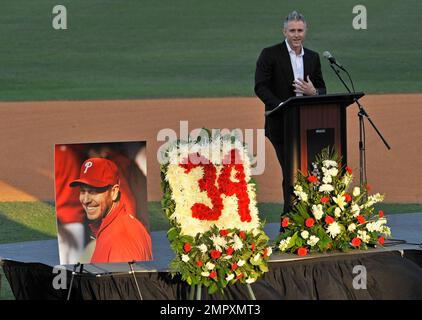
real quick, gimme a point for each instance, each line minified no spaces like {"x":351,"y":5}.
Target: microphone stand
{"x":362,"y":138}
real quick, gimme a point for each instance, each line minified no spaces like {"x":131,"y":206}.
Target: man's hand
{"x":304,"y":87}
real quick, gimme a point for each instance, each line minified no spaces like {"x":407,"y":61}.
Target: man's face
{"x":97,"y":202}
{"x":295,"y":34}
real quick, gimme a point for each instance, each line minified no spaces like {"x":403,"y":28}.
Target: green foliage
{"x":326,"y":216}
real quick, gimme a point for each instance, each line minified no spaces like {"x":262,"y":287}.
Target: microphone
{"x":331,"y":59}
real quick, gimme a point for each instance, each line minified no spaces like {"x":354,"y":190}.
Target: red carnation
{"x":229,"y":251}
{"x":253,"y":246}
{"x":224,"y":233}
{"x":381,"y":240}
{"x":329,"y":219}
{"x":347,"y":197}
{"x":302,"y":252}
{"x":242,"y":234}
{"x":266,"y":252}
{"x":349,"y":171}
{"x":309,"y":222}
{"x":312,"y":179}
{"x":240,"y":275}
{"x":234,"y":266}
{"x":285,"y":222}
{"x":361,"y":219}
{"x":215,"y":254}
{"x":325,"y":199}
{"x":199,"y":263}
{"x":381,"y":213}
{"x":356,"y":242}
{"x":213,"y":274}
{"x":186,"y":247}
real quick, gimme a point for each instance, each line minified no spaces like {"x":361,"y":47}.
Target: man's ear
{"x":115,"y":192}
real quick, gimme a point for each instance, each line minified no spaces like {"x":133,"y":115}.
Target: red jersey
{"x":121,"y":238}
{"x":67,"y":163}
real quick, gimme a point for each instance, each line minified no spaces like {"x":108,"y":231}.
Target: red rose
{"x":199,"y":263}
{"x":329,"y":219}
{"x":224,"y":233}
{"x":285,"y":222}
{"x":213,"y":274}
{"x":356,"y":242}
{"x":253,"y":246}
{"x":309,"y":222}
{"x":381,"y":213}
{"x":302,"y":252}
{"x":361,"y":219}
{"x":215,"y":254}
{"x":266,"y":252}
{"x":229,"y":251}
{"x":242,"y":235}
{"x":234,"y":266}
{"x":347,"y":197}
{"x":325,"y":199}
{"x":186,"y":247}
{"x":240,"y":275}
{"x":349,"y":171}
{"x":381,"y":240}
{"x":312,"y":179}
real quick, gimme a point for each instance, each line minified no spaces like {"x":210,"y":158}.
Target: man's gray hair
{"x":294,"y":16}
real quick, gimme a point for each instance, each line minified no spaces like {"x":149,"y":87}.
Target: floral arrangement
{"x":326,"y":216}
{"x":210,"y":201}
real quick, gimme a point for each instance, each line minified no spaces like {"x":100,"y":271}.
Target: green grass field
{"x":149,"y":49}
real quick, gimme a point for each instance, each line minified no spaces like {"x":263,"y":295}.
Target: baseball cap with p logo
{"x":97,"y":172}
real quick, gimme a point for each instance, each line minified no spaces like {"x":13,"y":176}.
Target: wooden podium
{"x":310,"y":124}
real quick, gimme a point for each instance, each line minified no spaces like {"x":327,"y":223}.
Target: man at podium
{"x":285,"y":70}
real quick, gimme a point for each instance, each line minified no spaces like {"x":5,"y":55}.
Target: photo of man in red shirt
{"x":120,"y":236}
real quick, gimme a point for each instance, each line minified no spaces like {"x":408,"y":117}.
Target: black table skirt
{"x":390,"y":275}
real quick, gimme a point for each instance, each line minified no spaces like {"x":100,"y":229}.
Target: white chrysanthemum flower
{"x":185,"y":258}
{"x":304,"y":234}
{"x":341,"y":202}
{"x":334,"y":229}
{"x":230,"y":277}
{"x":218,"y":242}
{"x":347,"y":179}
{"x":356,"y":191}
{"x":210,"y":265}
{"x":355,"y":210}
{"x":298,"y":188}
{"x":329,"y":163}
{"x":327,"y":179}
{"x":386,"y":230}
{"x":364,"y":236}
{"x":284,"y":244}
{"x":317,"y":211}
{"x":203,"y":248}
{"x":351,"y":227}
{"x":241,"y":263}
{"x":327,"y":188}
{"x":256,"y":257}
{"x":250,"y":280}
{"x":205,"y":274}
{"x":337,"y":212}
{"x":376,"y":225}
{"x":227,"y":257}
{"x":313,"y":240}
{"x":332,"y":172}
{"x":237,"y":243}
